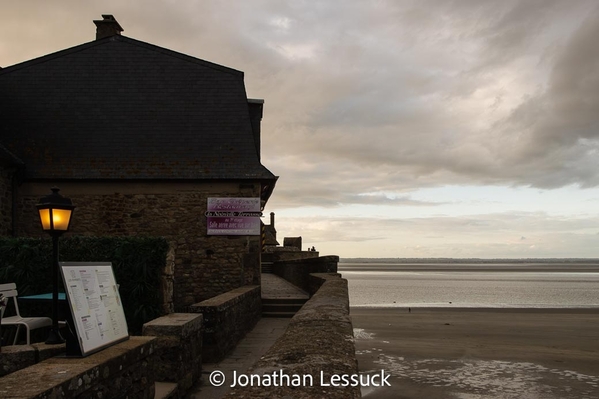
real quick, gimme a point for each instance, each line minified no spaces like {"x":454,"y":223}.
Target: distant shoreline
{"x":562,"y":267}
{"x":588,"y":310}
{"x":469,"y":260}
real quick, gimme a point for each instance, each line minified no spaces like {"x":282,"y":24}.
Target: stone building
{"x":10,"y":167}
{"x":269,"y":234}
{"x":291,"y":249}
{"x":139,"y":137}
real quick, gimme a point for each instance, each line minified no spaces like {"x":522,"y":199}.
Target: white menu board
{"x":95,"y":304}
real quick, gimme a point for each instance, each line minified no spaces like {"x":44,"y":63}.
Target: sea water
{"x":472,"y":285}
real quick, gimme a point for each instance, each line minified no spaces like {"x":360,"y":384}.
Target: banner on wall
{"x":233,"y":216}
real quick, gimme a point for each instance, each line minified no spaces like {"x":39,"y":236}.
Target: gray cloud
{"x":420,"y":116}
{"x":379,"y":97}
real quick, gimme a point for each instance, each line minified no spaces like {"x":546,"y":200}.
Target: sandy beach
{"x":475,"y":353}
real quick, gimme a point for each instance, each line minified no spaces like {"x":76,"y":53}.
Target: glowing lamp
{"x":55,"y":212}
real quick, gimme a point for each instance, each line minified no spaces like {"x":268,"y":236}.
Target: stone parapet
{"x":178,"y":348}
{"x":120,"y":371}
{"x":298,"y":271}
{"x":317,"y":346}
{"x":227,"y":318}
{"x":276,"y":254}
{"x":17,"y":357}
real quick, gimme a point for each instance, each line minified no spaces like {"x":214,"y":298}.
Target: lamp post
{"x":55,"y":214}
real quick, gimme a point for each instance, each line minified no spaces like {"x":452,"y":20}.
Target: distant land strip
{"x":468,"y":260}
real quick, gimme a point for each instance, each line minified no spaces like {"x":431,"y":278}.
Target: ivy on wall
{"x":138,"y":263}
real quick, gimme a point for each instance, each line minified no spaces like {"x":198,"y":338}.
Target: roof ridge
{"x":177,"y":54}
{"x":10,"y":156}
{"x":124,"y":39}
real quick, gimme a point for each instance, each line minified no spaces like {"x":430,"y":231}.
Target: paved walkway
{"x":275,"y":287}
{"x":247,"y":352}
{"x":253,"y":346}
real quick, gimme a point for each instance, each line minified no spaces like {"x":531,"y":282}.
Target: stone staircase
{"x":281,"y":307}
{"x":267,"y":267}
{"x":280,"y":298}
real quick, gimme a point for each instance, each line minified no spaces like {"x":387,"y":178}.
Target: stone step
{"x":290,"y":300}
{"x":267,"y":267}
{"x":166,"y":390}
{"x":282,"y":307}
{"x":278,"y":314}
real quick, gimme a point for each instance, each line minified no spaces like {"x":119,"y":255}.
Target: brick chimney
{"x":107,"y":27}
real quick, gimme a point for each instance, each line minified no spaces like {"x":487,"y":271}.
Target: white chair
{"x":30,"y":323}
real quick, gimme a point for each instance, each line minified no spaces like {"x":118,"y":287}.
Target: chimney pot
{"x":107,"y":27}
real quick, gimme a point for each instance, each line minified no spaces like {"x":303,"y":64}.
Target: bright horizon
{"x":399,"y":129}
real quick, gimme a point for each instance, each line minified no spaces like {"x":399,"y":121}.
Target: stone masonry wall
{"x":17,"y":357}
{"x":276,"y":254}
{"x":227,"y":318}
{"x":318,"y":342}
{"x":5,"y":201}
{"x":204,"y":266}
{"x":121,"y":371}
{"x":298,"y":271}
{"x":178,"y":348}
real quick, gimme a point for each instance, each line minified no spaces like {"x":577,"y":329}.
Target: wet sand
{"x":480,"y":353}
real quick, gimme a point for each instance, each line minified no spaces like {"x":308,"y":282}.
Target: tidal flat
{"x":478,"y":353}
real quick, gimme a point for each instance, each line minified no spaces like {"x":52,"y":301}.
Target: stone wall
{"x":120,"y":371}
{"x":203,"y":266}
{"x":168,"y":282}
{"x":277,"y":254}
{"x":17,"y":357}
{"x":171,"y":351}
{"x":227,"y":319}
{"x":318,"y":343}
{"x":6,"y":201}
{"x":298,"y":271}
{"x":178,"y":348}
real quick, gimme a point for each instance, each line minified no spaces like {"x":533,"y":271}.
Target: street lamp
{"x":55,"y":214}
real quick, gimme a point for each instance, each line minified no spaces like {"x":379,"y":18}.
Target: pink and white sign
{"x":233,"y":216}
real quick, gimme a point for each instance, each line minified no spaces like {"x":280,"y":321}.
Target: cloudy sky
{"x":398,"y":128}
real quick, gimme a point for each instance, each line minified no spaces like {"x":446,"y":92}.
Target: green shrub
{"x":137,"y":262}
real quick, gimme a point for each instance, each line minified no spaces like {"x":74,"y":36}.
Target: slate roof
{"x":119,"y":108}
{"x":270,"y":235}
{"x":8,"y":158}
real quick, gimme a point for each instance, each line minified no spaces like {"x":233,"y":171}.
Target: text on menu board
{"x":95,"y":304}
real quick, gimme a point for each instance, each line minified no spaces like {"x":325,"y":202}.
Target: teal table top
{"x":42,"y":297}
